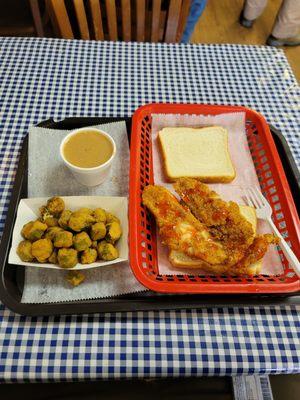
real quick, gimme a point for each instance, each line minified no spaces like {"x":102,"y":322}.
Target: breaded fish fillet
{"x":224,"y":220}
{"x":255,"y":252}
{"x":179,"y":229}
{"x":248,"y":265}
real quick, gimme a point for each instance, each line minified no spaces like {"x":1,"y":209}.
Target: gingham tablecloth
{"x":42,"y":78}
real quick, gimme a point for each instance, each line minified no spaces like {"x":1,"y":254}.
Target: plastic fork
{"x":256,"y":199}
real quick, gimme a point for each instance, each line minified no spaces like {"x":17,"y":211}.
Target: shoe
{"x":294,"y":41}
{"x":246,"y":23}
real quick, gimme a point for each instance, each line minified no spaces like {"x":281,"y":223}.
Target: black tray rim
{"x":131,"y":302}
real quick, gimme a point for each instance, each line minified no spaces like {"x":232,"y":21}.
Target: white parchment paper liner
{"x":245,"y":176}
{"x":47,"y":177}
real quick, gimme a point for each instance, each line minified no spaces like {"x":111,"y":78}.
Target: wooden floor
{"x":219,"y":24}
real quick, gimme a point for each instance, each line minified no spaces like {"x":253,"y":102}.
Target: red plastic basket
{"x":142,"y":230}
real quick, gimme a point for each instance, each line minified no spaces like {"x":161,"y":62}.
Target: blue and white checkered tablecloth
{"x":42,"y":78}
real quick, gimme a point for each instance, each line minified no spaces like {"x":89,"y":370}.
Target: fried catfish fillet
{"x":254,"y":253}
{"x":249,"y":265}
{"x":224,"y":220}
{"x":179,"y":229}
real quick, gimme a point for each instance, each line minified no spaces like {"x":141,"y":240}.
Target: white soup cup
{"x":89,"y":176}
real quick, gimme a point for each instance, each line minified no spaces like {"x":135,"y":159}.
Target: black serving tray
{"x":12,"y":276}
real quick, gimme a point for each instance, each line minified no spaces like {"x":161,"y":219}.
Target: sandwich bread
{"x":196,"y":153}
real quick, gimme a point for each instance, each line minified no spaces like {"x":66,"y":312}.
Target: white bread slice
{"x":196,"y":153}
{"x":181,"y":260}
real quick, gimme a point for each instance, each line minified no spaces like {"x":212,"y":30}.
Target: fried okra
{"x":33,"y":230}
{"x":55,"y":206}
{"x":98,"y":231}
{"x":51,"y":221}
{"x":24,"y":251}
{"x":80,"y":221}
{"x":53,"y":258}
{"x":100,"y":215}
{"x":88,"y":256}
{"x":82,"y":241}
{"x":64,"y":218}
{"x":52,"y":231}
{"x":67,"y":258}
{"x":47,"y":218}
{"x":107,"y":251}
{"x":111,"y":218}
{"x":42,"y":249}
{"x":85,"y":210}
{"x":75,"y":277}
{"x":63,"y":239}
{"x":114,"y":232}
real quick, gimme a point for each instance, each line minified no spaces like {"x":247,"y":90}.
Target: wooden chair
{"x":21,"y":18}
{"x":128,"y":20}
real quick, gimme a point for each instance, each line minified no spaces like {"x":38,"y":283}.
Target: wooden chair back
{"x":128,"y":20}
